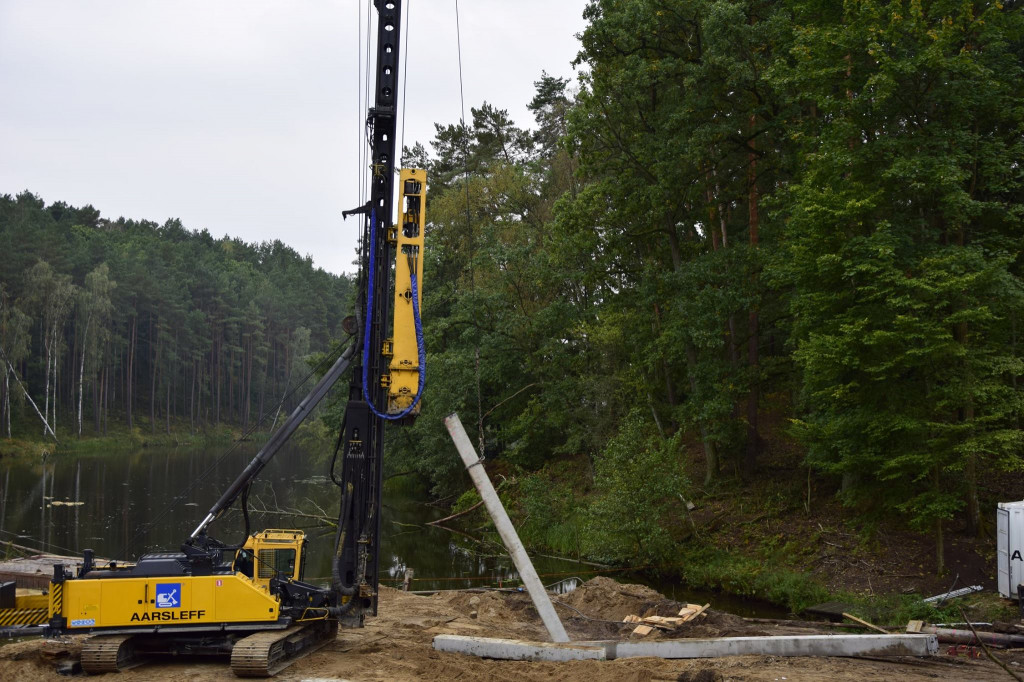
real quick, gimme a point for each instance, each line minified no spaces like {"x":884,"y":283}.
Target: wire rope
{"x":359,"y":102}
{"x":465,"y":143}
{"x":405,"y":83}
{"x":458,"y":44}
{"x":366,"y":101}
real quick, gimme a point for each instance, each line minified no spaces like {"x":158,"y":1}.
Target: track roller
{"x":109,"y":654}
{"x":267,"y":653}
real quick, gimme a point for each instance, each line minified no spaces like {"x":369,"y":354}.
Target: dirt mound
{"x":603,"y":598}
{"x":37,"y":660}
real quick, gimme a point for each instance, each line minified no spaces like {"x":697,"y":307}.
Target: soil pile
{"x":606,"y":599}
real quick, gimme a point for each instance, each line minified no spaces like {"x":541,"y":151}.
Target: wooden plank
{"x":865,"y":623}
{"x":643,"y":630}
{"x":914,"y":626}
{"x":700,"y":612}
{"x":662,"y":622}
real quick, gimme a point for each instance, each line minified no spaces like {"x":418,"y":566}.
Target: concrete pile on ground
{"x":397,"y":646}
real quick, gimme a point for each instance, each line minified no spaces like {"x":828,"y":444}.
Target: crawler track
{"x":109,"y":654}
{"x":267,"y":653}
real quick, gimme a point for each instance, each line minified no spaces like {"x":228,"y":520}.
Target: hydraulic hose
{"x":421,"y":350}
{"x":337,"y":584}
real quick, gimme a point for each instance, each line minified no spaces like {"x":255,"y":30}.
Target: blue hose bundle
{"x":420,"y":345}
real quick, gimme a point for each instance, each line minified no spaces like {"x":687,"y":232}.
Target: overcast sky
{"x":241,"y":116}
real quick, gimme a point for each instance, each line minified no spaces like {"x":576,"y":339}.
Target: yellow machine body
{"x":184,"y":600}
{"x":29,"y":609}
{"x":403,"y":381}
{"x":217,"y":600}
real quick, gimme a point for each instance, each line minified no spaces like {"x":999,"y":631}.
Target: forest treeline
{"x":802,"y":208}
{"x":798,"y":216}
{"x":102,"y":321}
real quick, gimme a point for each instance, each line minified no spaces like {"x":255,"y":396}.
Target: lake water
{"x":123,"y":504}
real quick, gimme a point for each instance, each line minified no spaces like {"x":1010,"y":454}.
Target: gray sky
{"x":241,"y":116}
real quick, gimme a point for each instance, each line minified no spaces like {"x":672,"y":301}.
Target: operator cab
{"x":272,"y":553}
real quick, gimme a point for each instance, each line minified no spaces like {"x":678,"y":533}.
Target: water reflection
{"x":119,"y":504}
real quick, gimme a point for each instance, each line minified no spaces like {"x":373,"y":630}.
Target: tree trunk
{"x":56,"y":349}
{"x":81,"y":374}
{"x":106,"y":396}
{"x":971,"y":468}
{"x":167,"y":412}
{"x":199,"y":395}
{"x":96,"y":404}
{"x":192,"y":402}
{"x":218,"y":369}
{"x":670,"y":389}
{"x":7,"y":401}
{"x":753,"y":360}
{"x":153,"y":377}
{"x":31,"y":402}
{"x":46,"y":405}
{"x":710,"y":451}
{"x":229,"y":374}
{"x":130,"y":372}
{"x":248,"y":390}
{"x":973,"y":506}
{"x":4,"y":386}
{"x":940,"y":541}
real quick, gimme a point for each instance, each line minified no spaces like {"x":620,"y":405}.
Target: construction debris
{"x":955,"y":593}
{"x":951,"y":636}
{"x":865,"y":623}
{"x":646,"y":624}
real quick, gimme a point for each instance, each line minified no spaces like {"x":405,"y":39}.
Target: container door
{"x":1003,"y":550}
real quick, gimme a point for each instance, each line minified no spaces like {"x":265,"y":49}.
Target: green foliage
{"x":901,"y":240}
{"x":466,"y":500}
{"x":735,"y":573}
{"x":553,"y":507}
{"x":639,"y":483}
{"x":740,"y":198}
{"x":208,"y":330}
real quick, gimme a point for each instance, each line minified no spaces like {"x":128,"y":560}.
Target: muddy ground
{"x":396,"y":645}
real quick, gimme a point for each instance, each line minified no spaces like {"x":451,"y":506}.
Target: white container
{"x":1010,"y":547}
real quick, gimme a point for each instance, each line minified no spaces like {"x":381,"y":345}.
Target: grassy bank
{"x":120,"y":437}
{"x":735,"y":573}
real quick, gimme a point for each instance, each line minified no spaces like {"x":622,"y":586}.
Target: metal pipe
{"x":967,"y":637}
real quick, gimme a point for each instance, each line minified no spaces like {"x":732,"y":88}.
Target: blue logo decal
{"x":85,"y":622}
{"x":168,"y":595}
